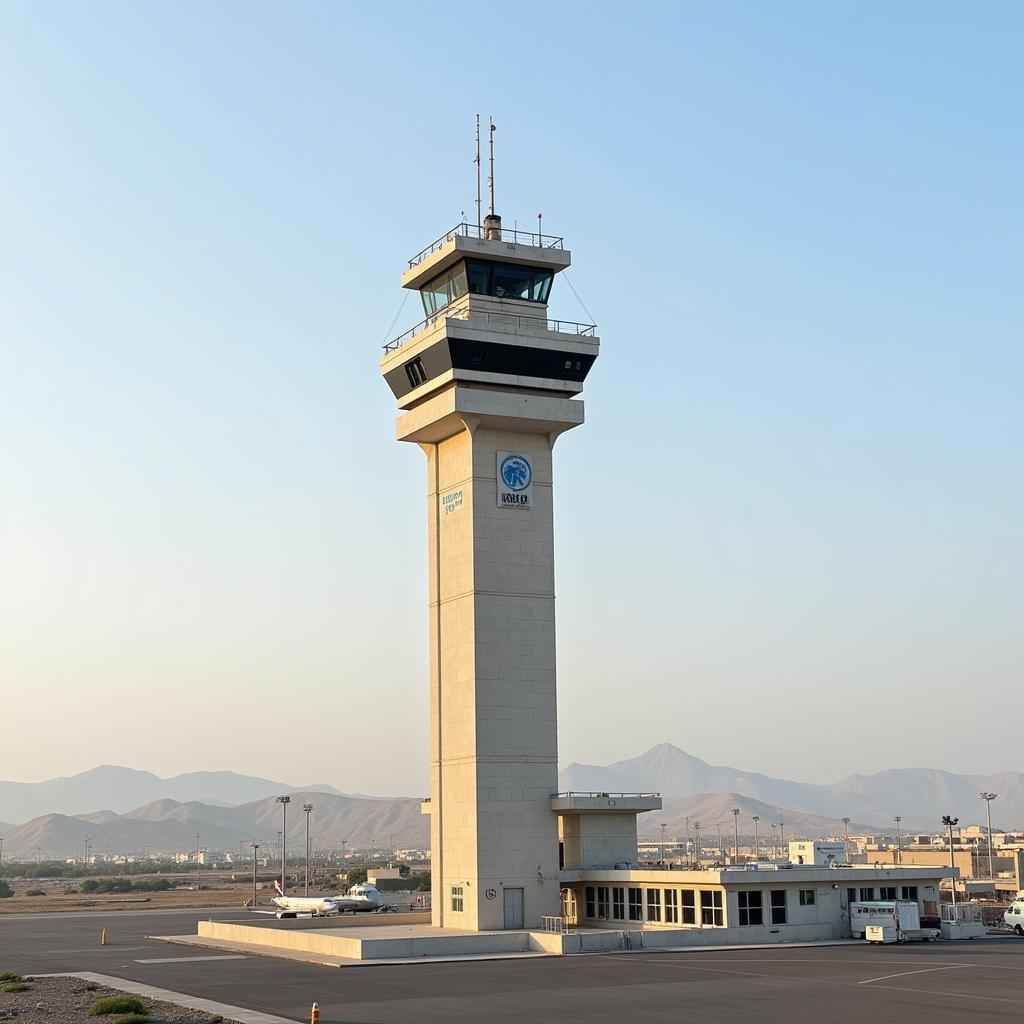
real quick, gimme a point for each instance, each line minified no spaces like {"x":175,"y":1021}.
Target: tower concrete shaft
{"x":486,"y":386}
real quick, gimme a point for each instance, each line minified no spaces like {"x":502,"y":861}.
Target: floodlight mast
{"x":255,"y":851}
{"x":284,"y":801}
{"x":949,"y":822}
{"x":307,"y":808}
{"x":988,"y":798}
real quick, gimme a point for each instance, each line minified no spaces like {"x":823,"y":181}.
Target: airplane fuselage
{"x":359,"y":899}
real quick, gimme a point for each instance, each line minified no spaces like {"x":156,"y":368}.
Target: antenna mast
{"x":477,"y":162}
{"x":490,"y":177}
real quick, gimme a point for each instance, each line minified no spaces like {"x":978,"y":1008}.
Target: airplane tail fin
{"x":277,"y":886}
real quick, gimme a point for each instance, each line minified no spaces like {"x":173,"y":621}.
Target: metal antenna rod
{"x":479,"y":216}
{"x":490,"y":176}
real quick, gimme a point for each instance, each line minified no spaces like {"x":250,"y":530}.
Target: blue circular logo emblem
{"x":516,"y":473}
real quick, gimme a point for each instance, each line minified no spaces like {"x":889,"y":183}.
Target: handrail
{"x":616,"y":796}
{"x":514,"y":235}
{"x":515,"y":319}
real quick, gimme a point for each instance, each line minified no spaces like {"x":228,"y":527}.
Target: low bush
{"x":5,"y":890}
{"x":10,"y":976}
{"x":34,"y":892}
{"x":118,"y":1004}
{"x":126,"y":885}
{"x":16,"y":986}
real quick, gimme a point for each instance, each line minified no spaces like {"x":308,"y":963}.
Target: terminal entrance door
{"x":513,"y":908}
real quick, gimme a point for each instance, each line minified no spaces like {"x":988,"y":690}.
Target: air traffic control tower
{"x":485,"y":385}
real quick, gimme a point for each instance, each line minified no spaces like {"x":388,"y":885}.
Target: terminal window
{"x":689,"y":906}
{"x":619,"y":903}
{"x":457,"y":902}
{"x":671,"y":906}
{"x":602,"y":902}
{"x":591,"y":905}
{"x":867,"y":895}
{"x":910,"y":892}
{"x":887,"y":892}
{"x":778,"y":906}
{"x":806,"y":897}
{"x":636,"y":904}
{"x":653,"y":904}
{"x":711,"y":907}
{"x":750,"y":907}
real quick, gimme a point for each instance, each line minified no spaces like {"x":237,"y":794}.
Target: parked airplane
{"x":360,"y":898}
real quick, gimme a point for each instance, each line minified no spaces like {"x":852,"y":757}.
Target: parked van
{"x":1014,"y":916}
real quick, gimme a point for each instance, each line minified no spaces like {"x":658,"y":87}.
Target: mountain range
{"x":121,"y":789}
{"x":169,"y":826}
{"x":125,"y":810}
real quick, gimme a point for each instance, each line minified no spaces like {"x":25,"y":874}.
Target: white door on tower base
{"x":513,"y":908}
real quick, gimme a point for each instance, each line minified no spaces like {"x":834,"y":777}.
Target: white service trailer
{"x":889,"y":921}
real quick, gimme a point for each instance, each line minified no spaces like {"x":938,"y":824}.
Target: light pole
{"x":846,"y":840}
{"x":757,"y":841}
{"x":782,"y":837}
{"x":307,"y":808}
{"x":735,"y":835}
{"x":284,"y":801}
{"x":775,"y":841}
{"x":721,"y":845}
{"x":988,"y":798}
{"x":949,"y":823}
{"x":199,"y":870}
{"x":696,"y":842}
{"x":255,"y":851}
{"x":663,"y":827}
{"x":899,"y":840}
{"x":689,"y":852}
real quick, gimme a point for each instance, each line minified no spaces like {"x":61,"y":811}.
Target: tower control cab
{"x":485,"y":297}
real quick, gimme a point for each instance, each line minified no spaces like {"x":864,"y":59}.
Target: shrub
{"x":10,"y":976}
{"x":34,"y":892}
{"x":16,"y":986}
{"x":117,"y":1004}
{"x":5,"y":890}
{"x":217,"y":1019}
{"x":132,"y":1018}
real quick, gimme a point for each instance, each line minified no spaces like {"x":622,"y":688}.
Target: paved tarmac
{"x":935,"y":982}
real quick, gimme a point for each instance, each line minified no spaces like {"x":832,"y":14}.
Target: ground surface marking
{"x":189,"y":959}
{"x":903,"y":974}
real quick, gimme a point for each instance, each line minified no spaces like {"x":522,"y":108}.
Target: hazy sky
{"x":789,"y":537}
